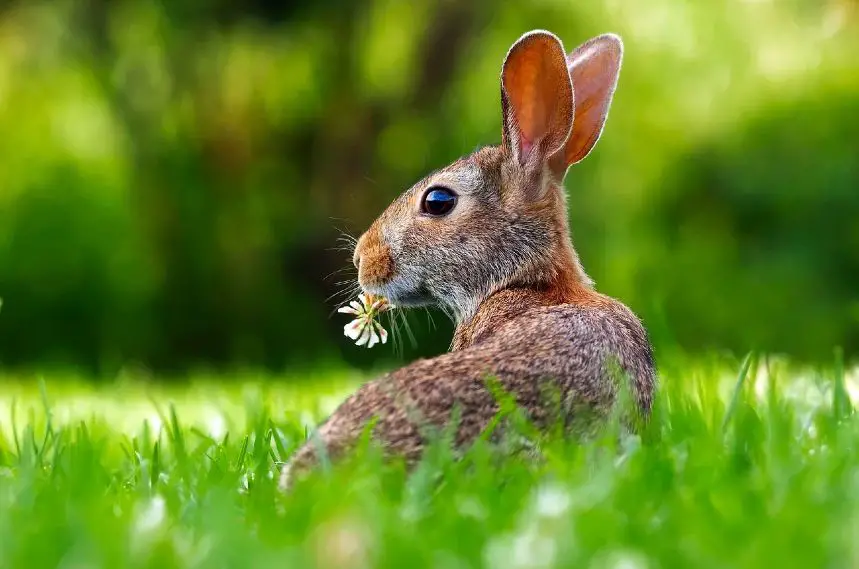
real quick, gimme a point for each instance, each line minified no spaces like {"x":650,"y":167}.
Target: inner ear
{"x":537,"y":98}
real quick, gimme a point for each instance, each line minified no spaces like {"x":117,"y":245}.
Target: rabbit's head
{"x":497,"y":218}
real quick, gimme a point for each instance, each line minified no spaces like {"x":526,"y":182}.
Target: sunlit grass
{"x":746,"y":464}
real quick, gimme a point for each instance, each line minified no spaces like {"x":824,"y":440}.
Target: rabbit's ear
{"x":594,"y":67}
{"x":536,"y":99}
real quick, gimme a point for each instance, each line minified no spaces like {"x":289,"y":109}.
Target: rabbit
{"x":487,"y":239}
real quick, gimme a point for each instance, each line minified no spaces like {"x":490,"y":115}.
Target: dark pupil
{"x":439,"y":202}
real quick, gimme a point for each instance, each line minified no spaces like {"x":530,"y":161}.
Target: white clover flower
{"x":365,"y":329}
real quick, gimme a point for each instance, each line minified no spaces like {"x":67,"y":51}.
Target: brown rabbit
{"x":487,"y":239}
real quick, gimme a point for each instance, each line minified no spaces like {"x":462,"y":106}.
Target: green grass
{"x":748,"y":464}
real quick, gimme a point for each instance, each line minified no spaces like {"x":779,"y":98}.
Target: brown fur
{"x":503,"y":266}
{"x":378,"y":266}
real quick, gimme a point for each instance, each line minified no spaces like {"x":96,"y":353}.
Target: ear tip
{"x":538,"y":35}
{"x":612,"y":42}
{"x":534,"y":41}
{"x":608,"y":45}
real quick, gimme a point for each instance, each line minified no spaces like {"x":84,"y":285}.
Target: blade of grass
{"x":13,"y":416}
{"x":49,"y":426}
{"x":842,"y":407}
{"x":279,"y":443}
{"x":240,"y":462}
{"x":738,"y":388}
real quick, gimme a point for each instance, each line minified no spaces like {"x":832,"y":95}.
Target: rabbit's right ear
{"x":536,"y":100}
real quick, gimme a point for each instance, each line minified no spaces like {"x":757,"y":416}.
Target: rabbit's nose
{"x":356,"y":256}
{"x":372,"y":258}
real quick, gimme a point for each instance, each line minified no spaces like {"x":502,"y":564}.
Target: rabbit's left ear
{"x":594,"y":68}
{"x":536,"y":100}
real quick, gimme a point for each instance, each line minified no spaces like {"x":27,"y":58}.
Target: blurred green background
{"x":174,"y":175}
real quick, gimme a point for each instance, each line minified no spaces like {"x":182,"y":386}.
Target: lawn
{"x":741,"y":466}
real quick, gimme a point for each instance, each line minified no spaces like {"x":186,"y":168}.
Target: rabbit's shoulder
{"x":594,"y":319}
{"x":573,"y":343}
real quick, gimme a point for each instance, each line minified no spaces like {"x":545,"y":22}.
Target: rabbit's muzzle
{"x":373,"y":260}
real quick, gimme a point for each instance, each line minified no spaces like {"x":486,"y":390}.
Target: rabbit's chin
{"x":402,"y":294}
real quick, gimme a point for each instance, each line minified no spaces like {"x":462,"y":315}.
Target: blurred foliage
{"x":174,"y":175}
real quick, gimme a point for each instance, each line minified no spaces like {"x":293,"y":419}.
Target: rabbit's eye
{"x":438,"y":201}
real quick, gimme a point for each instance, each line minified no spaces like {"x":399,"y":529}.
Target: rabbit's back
{"x":567,"y":350}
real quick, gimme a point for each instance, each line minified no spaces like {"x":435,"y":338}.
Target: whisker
{"x":430,"y":320}
{"x":409,"y":332}
{"x":447,"y":312}
{"x":342,"y":249}
{"x":349,"y":289}
{"x":396,"y":337}
{"x":346,"y":298}
{"x":347,"y":251}
{"x":346,"y":238}
{"x":344,"y":286}
{"x":348,"y":293}
{"x":345,"y":242}
{"x":338,"y":306}
{"x":339,"y":230}
{"x":336,"y":271}
{"x":400,"y":343}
